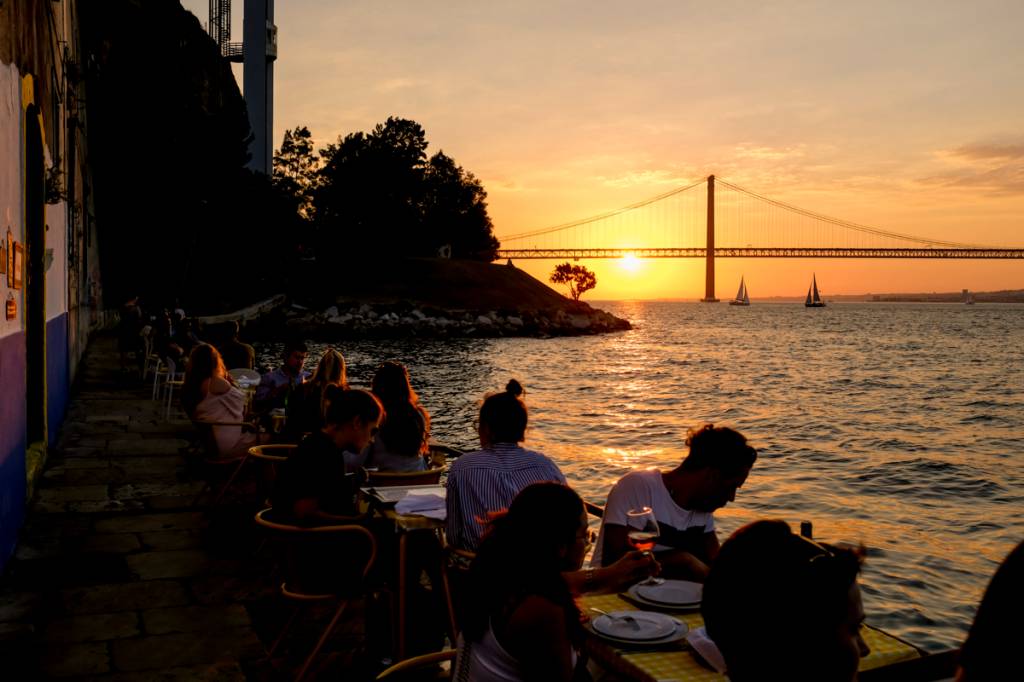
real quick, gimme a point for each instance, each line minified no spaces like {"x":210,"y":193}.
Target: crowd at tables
{"x":523,"y":536}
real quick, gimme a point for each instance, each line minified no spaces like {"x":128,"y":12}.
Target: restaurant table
{"x":677,"y":661}
{"x":382,"y":501}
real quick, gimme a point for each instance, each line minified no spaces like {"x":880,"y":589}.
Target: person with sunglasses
{"x":320,"y":476}
{"x":780,"y":606}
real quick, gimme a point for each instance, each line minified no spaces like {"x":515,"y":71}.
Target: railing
{"x":762,"y":252}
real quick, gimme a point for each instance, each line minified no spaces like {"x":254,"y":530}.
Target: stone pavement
{"x":118,"y":577}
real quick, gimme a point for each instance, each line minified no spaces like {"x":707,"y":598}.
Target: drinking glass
{"x":643,"y":531}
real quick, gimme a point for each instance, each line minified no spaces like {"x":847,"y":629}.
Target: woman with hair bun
{"x":487,"y":480}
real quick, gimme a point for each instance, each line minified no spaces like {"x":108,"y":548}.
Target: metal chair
{"x":172,"y":380}
{"x":384,"y":479}
{"x":213,"y":461}
{"x":322,"y":563}
{"x":416,"y":664}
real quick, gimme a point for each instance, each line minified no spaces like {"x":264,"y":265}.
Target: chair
{"x":416,"y":664}
{"x":456,"y":567}
{"x":173,"y":379}
{"x":150,"y":360}
{"x":385,"y":479}
{"x":212,"y":458}
{"x":439,"y":454}
{"x":322,"y":563}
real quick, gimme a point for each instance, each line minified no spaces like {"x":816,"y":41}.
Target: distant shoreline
{"x":1006,"y":296}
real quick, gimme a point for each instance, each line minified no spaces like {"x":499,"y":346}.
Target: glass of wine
{"x":643,"y":528}
{"x":643,"y":531}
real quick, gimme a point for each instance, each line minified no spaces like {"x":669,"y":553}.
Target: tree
{"x":379,"y":196}
{"x":296,"y":169}
{"x":577,"y":277}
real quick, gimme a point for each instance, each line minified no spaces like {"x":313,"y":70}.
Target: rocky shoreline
{"x":403,"y":320}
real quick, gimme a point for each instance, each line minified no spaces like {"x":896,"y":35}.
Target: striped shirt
{"x":487,"y":481}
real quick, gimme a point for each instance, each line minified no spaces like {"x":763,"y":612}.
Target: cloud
{"x":395,"y":84}
{"x":996,"y":168}
{"x":984,"y":152}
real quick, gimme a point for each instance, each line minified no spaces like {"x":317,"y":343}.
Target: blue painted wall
{"x":12,"y":441}
{"x":57,"y":375}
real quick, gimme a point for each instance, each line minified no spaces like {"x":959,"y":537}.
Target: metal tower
{"x":260,"y":51}
{"x":257,"y":53}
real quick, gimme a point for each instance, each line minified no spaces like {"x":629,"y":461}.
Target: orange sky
{"x":906,"y":116}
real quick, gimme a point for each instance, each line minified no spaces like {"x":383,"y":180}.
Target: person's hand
{"x":634,"y":566}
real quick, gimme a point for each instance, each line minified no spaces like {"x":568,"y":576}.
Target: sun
{"x":630,"y":262}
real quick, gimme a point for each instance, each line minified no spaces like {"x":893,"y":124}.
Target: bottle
{"x":807,"y":530}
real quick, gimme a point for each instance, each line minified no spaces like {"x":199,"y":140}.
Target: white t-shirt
{"x":645,"y":488}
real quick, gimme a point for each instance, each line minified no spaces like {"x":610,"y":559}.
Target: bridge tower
{"x":709,"y":274}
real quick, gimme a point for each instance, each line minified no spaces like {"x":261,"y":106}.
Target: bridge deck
{"x":757,"y":252}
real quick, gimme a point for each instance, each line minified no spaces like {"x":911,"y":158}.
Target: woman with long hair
{"x":402,"y":442}
{"x":521,"y":620}
{"x":308,"y":402}
{"x":208,"y":394}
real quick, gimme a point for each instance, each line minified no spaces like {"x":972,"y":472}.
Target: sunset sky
{"x":906,"y":116}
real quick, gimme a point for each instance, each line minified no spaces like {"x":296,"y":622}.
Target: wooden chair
{"x":321,"y":564}
{"x":456,"y":568}
{"x":412,"y":668}
{"x":385,"y":479}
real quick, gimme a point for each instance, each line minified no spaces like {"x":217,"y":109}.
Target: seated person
{"x":990,"y":652}
{"x":683,"y":501}
{"x":319,"y":477}
{"x":208,"y":394}
{"x":487,"y":480}
{"x":277,"y":385}
{"x":237,"y":355}
{"x":308,"y":401}
{"x":401,"y":444}
{"x":185,"y":337}
{"x":521,"y":620}
{"x":163,"y":340}
{"x":781,"y":607}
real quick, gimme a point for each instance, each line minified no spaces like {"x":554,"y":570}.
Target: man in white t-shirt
{"x":683,"y":501}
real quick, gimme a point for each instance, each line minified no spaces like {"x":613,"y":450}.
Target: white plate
{"x":631,"y":593}
{"x":679,"y":632}
{"x":671,"y":592}
{"x":640,"y":625}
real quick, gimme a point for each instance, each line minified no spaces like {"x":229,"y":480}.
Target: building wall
{"x":38,"y":49}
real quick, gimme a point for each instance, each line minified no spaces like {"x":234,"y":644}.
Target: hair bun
{"x":514,"y":387}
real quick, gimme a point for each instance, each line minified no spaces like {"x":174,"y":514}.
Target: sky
{"x":905,"y":116}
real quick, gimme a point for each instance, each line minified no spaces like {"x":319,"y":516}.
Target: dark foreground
{"x":118,"y":577}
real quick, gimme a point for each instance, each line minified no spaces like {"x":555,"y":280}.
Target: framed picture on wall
{"x":8,"y":257}
{"x":17,"y":266}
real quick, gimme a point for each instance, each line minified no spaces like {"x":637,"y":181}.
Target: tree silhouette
{"x":296,"y":169}
{"x":577,"y":277}
{"x":379,"y":196}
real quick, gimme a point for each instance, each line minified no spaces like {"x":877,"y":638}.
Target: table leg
{"x":402,"y":577}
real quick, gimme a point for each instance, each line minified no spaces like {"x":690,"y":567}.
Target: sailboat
{"x":968,"y":297}
{"x":813,"y":299}
{"x":742,"y":296}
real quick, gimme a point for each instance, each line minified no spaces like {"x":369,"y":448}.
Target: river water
{"x":900,"y":426}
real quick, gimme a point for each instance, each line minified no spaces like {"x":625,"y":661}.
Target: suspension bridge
{"x":689,"y":222}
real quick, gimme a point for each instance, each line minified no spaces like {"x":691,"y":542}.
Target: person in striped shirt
{"x":487,"y":480}
{"x":484,"y":482}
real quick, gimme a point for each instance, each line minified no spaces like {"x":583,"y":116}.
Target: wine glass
{"x":643,"y":531}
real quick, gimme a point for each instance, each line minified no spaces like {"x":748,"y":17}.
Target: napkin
{"x":426,"y":505}
{"x":708,"y":650}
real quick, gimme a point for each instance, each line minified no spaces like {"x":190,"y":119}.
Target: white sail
{"x":742,"y":291}
{"x":746,"y":295}
{"x":814,"y":285}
